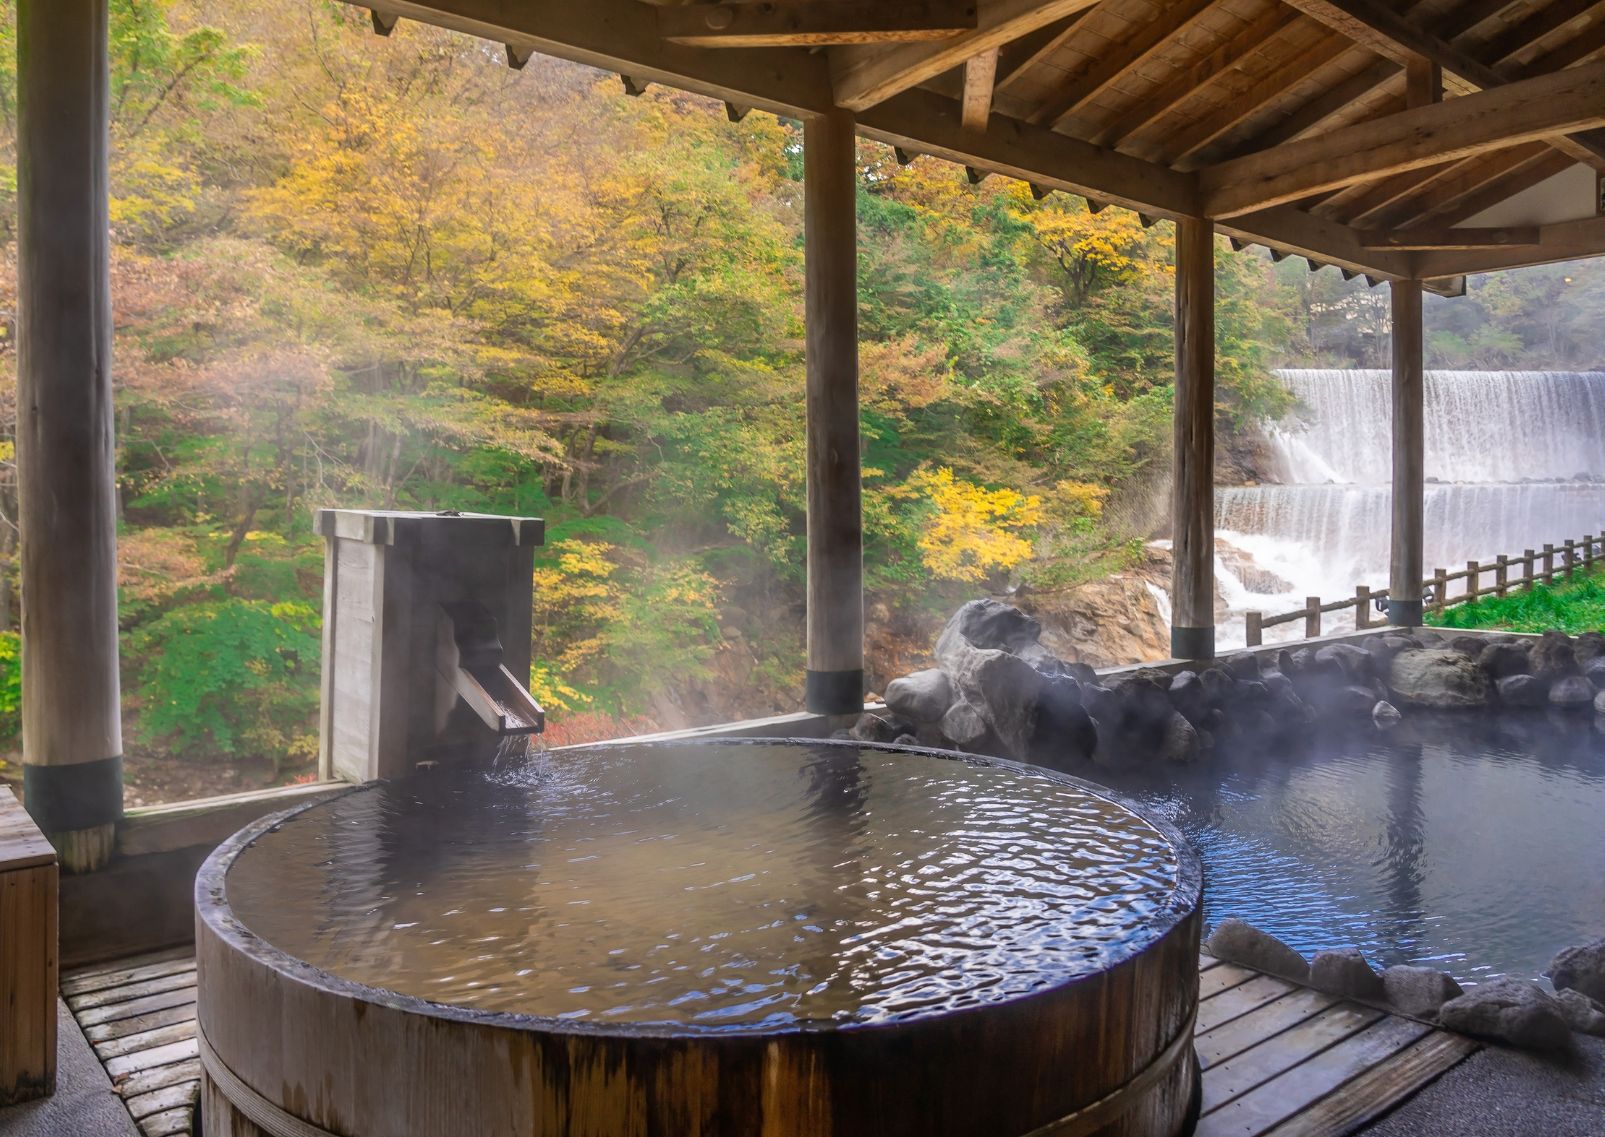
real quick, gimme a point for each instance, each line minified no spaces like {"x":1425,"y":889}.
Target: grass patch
{"x":1573,"y":605}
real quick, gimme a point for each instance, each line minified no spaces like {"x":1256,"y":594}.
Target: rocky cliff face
{"x":1108,"y":622}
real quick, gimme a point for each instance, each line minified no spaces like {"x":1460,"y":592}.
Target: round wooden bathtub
{"x":754,"y":939}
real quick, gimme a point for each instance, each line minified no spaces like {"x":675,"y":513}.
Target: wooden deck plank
{"x":150,"y":1059}
{"x":130,"y":991}
{"x":1207,"y":963}
{"x":1379,"y":1089}
{"x":128,"y":963}
{"x":1220,"y":978}
{"x":1301,"y":1086}
{"x":1247,"y":1031}
{"x":1259,"y":1064}
{"x":145,"y":1040}
{"x":145,"y":1081}
{"x":172,"y":1123}
{"x":179,"y":1095}
{"x":121,"y":1028}
{"x":83,"y":984}
{"x":96,"y":1015}
{"x":1228,"y":1005}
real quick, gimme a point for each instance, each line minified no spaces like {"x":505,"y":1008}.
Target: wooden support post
{"x":1529,"y":559}
{"x":1549,"y":564}
{"x":835,"y":680}
{"x":1502,"y":575}
{"x":28,"y":888}
{"x":1312,"y":616}
{"x":1253,"y":629}
{"x":1409,"y":474}
{"x":71,"y":721}
{"x":1362,"y":608}
{"x":1192,"y":632}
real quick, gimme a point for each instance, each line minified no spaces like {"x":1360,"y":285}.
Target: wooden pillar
{"x":1409,"y":473}
{"x":71,"y":729}
{"x":835,"y":683}
{"x":1192,"y":632}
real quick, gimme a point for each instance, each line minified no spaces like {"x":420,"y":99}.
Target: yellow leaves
{"x":1079,"y":499}
{"x":973,"y":531}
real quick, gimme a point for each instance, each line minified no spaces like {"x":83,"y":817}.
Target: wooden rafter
{"x":1188,"y":82}
{"x":1490,"y":120}
{"x":865,"y":75}
{"x":980,"y":76}
{"x":1447,"y":240}
{"x":1480,"y":189}
{"x":1114,"y":61}
{"x":1563,"y":241}
{"x":1376,"y":25}
{"x":811,"y":23}
{"x":1017,"y":59}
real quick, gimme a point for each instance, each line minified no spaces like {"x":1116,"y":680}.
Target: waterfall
{"x":1513,"y":459}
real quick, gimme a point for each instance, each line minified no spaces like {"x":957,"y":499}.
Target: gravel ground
{"x":1505,"y":1093}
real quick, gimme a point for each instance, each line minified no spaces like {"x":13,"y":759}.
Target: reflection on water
{"x":710,"y":886}
{"x":1473,"y":844}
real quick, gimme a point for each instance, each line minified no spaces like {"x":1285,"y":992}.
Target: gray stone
{"x":1345,"y":972}
{"x":1522,"y":691}
{"x":963,"y":725}
{"x":1434,"y":677}
{"x":1419,"y":991}
{"x":1237,"y":941}
{"x":1595,"y":670}
{"x":1552,"y":656}
{"x":1573,"y":693}
{"x":1385,"y":715}
{"x":1065,"y":732}
{"x":923,"y":696}
{"x":1588,"y":647}
{"x":1500,"y":660}
{"x":1582,"y":1014}
{"x":1468,"y":645}
{"x":996,"y":684}
{"x":1242,"y":665}
{"x":1580,"y":968}
{"x":992,"y":625}
{"x":905,"y":740}
{"x":1179,"y":743}
{"x":880,"y":726}
{"x":1510,"y":1010}
{"x":1599,"y":702}
{"x":1357,"y":663}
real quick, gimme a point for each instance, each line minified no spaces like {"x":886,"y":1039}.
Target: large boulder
{"x":1588,"y":646}
{"x":1522,"y":691}
{"x":991,"y":625}
{"x":1434,"y":677}
{"x":1552,"y":656}
{"x":1419,"y":991}
{"x":1582,"y":1014}
{"x":1355,"y":662}
{"x":964,"y":726}
{"x":1346,"y":973}
{"x":1179,"y":741}
{"x":1513,"y":1011}
{"x":1501,"y":660}
{"x":1580,"y":968}
{"x":1572,"y":693}
{"x":923,"y":696}
{"x":994,"y":682}
{"x":1065,"y":733}
{"x":880,"y":726}
{"x":1237,"y":941}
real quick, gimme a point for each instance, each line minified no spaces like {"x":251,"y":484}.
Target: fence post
{"x":1527,"y":577}
{"x":1440,"y":585}
{"x":1362,"y":608}
{"x":1588,"y":550}
{"x":1569,"y":559}
{"x":1312,"y":616}
{"x":1473,"y":580}
{"x":1549,"y":564}
{"x":1254,"y":631}
{"x":1502,"y":575}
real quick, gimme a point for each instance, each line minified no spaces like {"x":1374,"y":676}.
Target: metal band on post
{"x":1404,"y":613}
{"x":835,"y":692}
{"x":67,"y":799}
{"x":1192,"y":643}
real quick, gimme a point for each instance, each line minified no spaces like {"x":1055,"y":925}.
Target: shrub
{"x":10,"y":685}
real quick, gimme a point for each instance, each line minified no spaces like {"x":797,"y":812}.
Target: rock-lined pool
{"x":1471,"y":843}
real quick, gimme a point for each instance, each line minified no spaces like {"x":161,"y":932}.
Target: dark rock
{"x":1288,"y":663}
{"x":1580,"y":968}
{"x":923,"y":696}
{"x":1252,"y":692}
{"x":1599,"y":702}
{"x":1588,"y":646}
{"x":1468,"y":645}
{"x":1217,"y":685}
{"x":1303,"y":659}
{"x":1065,"y":732}
{"x":1385,"y":715}
{"x":1522,"y":691}
{"x":1433,"y":677}
{"x":1573,"y":693}
{"x":993,"y":625}
{"x":1552,"y":656}
{"x":1081,"y":672}
{"x":1357,"y":663}
{"x":1510,"y":1010}
{"x":880,"y":726}
{"x":1594,"y":670}
{"x":963,"y":725}
{"x":1345,"y":973}
{"x":1395,"y":642}
{"x":1237,"y":941}
{"x":1279,"y":685}
{"x":1179,"y":742}
{"x":905,"y":740}
{"x":1242,"y":665}
{"x":1581,"y":1013}
{"x":1501,"y":660}
{"x":1419,"y":991}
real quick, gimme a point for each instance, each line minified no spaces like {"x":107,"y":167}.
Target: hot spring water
{"x":1513,"y":460}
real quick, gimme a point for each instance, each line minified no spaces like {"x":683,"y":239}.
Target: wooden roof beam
{"x":1426,"y":136}
{"x":1443,"y":240}
{"x":980,"y":78}
{"x":1288,"y":231}
{"x":1146,"y":39}
{"x":1479,"y":188}
{"x":812,"y":23}
{"x":1018,"y":58}
{"x":1376,"y":25}
{"x":865,"y":75}
{"x":1563,"y":241}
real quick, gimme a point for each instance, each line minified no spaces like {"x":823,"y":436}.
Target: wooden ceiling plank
{"x":1381,"y":209}
{"x":814,"y":23}
{"x":1537,"y":26}
{"x":1445,"y":240}
{"x":1018,"y":58}
{"x":980,"y":76}
{"x":1146,"y":39}
{"x":864,"y":75}
{"x":1482,"y":191}
{"x":1490,"y":120}
{"x":1189,"y":81}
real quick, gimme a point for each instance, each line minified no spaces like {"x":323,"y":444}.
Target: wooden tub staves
{"x":289,"y":1048}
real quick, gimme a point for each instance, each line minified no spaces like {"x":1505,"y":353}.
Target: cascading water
{"x":1513,"y":459}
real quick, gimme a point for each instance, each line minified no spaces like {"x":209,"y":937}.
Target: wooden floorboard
{"x":1279,"y":1060}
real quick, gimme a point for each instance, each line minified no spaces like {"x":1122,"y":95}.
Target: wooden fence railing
{"x":1570,"y":555}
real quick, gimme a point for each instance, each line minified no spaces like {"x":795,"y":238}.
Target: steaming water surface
{"x":1473,"y":844}
{"x":709,"y":887}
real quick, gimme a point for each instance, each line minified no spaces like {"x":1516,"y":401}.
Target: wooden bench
{"x":28,"y":879}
